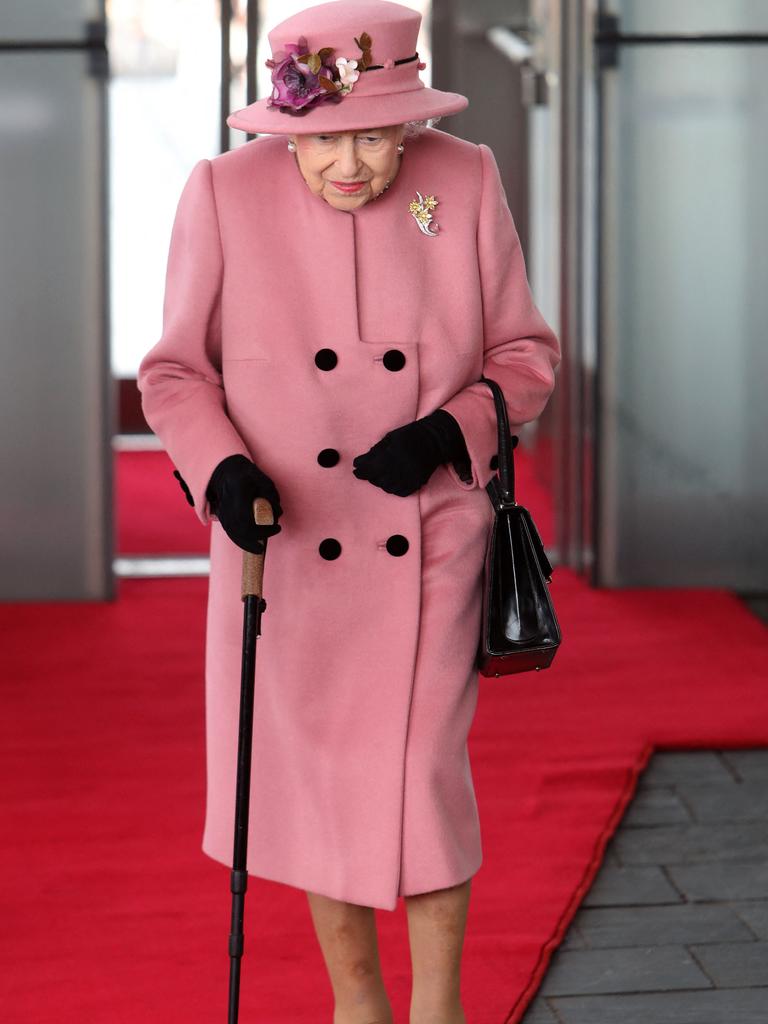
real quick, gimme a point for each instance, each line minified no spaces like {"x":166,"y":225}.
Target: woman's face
{"x":329,"y":160}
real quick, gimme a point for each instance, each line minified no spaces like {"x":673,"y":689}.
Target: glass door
{"x":54,"y":392}
{"x":683,"y":463}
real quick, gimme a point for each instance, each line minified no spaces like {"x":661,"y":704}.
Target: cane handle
{"x":253,"y":565}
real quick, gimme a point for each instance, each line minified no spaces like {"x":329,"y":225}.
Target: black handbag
{"x":519,"y":626}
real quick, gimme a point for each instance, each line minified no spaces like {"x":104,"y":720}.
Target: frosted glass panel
{"x":54,"y":438}
{"x":165,"y":57}
{"x":667,"y":16}
{"x":24,"y":20}
{"x":684,"y":314}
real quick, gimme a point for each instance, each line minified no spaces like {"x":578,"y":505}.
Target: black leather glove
{"x":234,"y":486}
{"x":405,"y":458}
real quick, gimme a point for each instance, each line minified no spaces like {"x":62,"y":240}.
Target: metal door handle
{"x":534,"y":81}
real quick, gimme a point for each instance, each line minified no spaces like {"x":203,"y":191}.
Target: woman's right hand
{"x":234,"y":486}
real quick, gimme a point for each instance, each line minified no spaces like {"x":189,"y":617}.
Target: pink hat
{"x":345,"y":65}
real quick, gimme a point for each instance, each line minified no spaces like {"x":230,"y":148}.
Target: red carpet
{"x":152,"y":514}
{"x":111,"y":913}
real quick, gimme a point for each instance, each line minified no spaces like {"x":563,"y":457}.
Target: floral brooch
{"x":301,"y":80}
{"x":421,"y":209}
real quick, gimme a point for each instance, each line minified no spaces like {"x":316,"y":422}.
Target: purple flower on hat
{"x":302,"y":79}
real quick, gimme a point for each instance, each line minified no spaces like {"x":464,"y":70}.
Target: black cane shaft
{"x":234,"y":991}
{"x":251,"y":628}
{"x":239,"y":875}
{"x":254,"y":605}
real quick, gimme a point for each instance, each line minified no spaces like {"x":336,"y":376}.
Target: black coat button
{"x":326,"y":359}
{"x":330,"y":548}
{"x":495,"y":461}
{"x":394,"y":359}
{"x":328,"y":457}
{"x":397,"y":544}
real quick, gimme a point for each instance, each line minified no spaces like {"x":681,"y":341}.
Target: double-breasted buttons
{"x":397,"y":544}
{"x":329,"y":548}
{"x":326,"y":359}
{"x":394,"y":359}
{"x":328,"y":457}
{"x":494,"y":461}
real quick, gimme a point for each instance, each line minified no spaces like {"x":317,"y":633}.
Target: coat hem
{"x":391,"y":906}
{"x":296,"y":884}
{"x":447,"y":885}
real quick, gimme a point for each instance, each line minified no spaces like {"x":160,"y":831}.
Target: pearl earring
{"x":291,"y":146}
{"x":400,"y":148}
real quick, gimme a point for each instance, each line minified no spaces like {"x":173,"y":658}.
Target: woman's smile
{"x":351,"y":186}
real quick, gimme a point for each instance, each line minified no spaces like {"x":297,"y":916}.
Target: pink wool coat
{"x":291,"y":328}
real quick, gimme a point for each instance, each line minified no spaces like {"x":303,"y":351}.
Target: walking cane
{"x":253,"y":574}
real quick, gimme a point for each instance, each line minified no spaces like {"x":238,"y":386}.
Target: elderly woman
{"x":335,"y":290}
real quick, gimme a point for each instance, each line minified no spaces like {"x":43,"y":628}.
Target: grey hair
{"x":413,"y":129}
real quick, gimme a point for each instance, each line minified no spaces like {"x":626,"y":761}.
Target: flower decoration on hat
{"x":302,"y":79}
{"x":348,"y":73}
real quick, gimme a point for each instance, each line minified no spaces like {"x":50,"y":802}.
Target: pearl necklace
{"x":389,"y":182}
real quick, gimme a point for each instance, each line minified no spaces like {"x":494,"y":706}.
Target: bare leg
{"x":349,"y":942}
{"x":436,"y":925}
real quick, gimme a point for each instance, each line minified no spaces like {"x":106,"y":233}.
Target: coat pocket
{"x":250,"y":354}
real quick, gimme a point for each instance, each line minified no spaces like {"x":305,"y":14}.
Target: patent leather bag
{"x":520,"y":631}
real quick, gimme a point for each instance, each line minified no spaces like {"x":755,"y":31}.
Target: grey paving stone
{"x":751,"y":765}
{"x":715,"y":1006}
{"x":539,"y":1013}
{"x":604,"y":927}
{"x":742,"y":965}
{"x":656,"y":805}
{"x":573,"y":939}
{"x":688,"y":867}
{"x":731,"y":880}
{"x":693,"y":844}
{"x":610,"y":856}
{"x":668,"y":767}
{"x":755,"y":914}
{"x":662,"y":968}
{"x":757,"y":604}
{"x":623,"y":886}
{"x":729,"y":801}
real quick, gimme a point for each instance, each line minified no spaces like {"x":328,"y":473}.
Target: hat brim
{"x":351,"y":113}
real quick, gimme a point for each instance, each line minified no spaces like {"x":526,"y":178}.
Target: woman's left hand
{"x":405,"y":458}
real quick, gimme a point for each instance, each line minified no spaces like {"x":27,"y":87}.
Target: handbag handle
{"x":506,"y":444}
{"x":505,"y":489}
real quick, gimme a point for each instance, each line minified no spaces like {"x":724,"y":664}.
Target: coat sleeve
{"x":520,"y":350}
{"x":180,"y":381}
